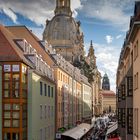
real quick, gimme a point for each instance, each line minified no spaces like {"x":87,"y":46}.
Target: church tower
{"x":105,"y":83}
{"x":91,"y":56}
{"x":63,"y":7}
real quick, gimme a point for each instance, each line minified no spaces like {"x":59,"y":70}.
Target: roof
{"x":24,"y":32}
{"x":9,"y":51}
{"x":78,"y":131}
{"x":107,"y":93}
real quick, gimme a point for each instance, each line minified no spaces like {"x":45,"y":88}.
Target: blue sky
{"x":103,"y":21}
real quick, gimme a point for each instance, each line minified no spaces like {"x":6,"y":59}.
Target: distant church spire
{"x":105,"y":83}
{"x":63,"y":7}
{"x":91,"y":55}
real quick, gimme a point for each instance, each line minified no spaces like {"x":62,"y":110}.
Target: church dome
{"x":64,"y":33}
{"x":61,"y":28}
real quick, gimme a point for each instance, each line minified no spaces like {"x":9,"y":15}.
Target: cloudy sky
{"x":103,"y":21}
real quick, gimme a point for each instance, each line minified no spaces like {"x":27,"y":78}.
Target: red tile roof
{"x":24,"y":32}
{"x":107,"y":93}
{"x":9,"y":51}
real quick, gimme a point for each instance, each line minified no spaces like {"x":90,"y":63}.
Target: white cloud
{"x":37,"y":31}
{"x":107,"y":60}
{"x":109,"y":39}
{"x":118,"y":36}
{"x":116,"y":12}
{"x":37,"y":11}
{"x":10,"y":14}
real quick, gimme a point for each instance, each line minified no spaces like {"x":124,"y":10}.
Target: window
{"x":7,"y":123}
{"x":48,"y":91}
{"x":52,"y":91}
{"x":41,"y":111}
{"x":59,"y":75}
{"x":45,"y":89}
{"x":7,"y":76}
{"x":15,"y":136}
{"x":136,"y":81}
{"x":49,"y":111}
{"x":130,"y":121}
{"x":136,"y":51}
{"x":129,"y":86}
{"x":123,"y":117}
{"x":123,"y":92}
{"x":15,"y":123}
{"x":45,"y":111}
{"x":45,"y":133}
{"x":136,"y":120}
{"x":7,"y":106}
{"x":16,"y":107}
{"x":41,"y":88}
{"x":41,"y":134}
{"x":15,"y":115}
{"x":7,"y":115}
{"x":6,"y":136}
{"x":52,"y":112}
{"x":7,"y":93}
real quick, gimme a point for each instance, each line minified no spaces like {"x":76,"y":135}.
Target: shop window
{"x":15,"y":136}
{"x":6,"y":136}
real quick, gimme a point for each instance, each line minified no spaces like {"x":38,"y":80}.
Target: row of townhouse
{"x":128,"y":85}
{"x":41,"y":93}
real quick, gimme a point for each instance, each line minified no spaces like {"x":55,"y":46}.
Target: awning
{"x":113,"y":128}
{"x":78,"y":132}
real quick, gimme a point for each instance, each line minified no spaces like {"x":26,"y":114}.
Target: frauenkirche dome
{"x":64,"y":33}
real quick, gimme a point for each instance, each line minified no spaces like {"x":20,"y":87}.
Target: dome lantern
{"x":63,"y":7}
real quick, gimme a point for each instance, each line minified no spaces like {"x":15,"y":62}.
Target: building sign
{"x":58,"y":135}
{"x":15,"y":68}
{"x":7,"y":68}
